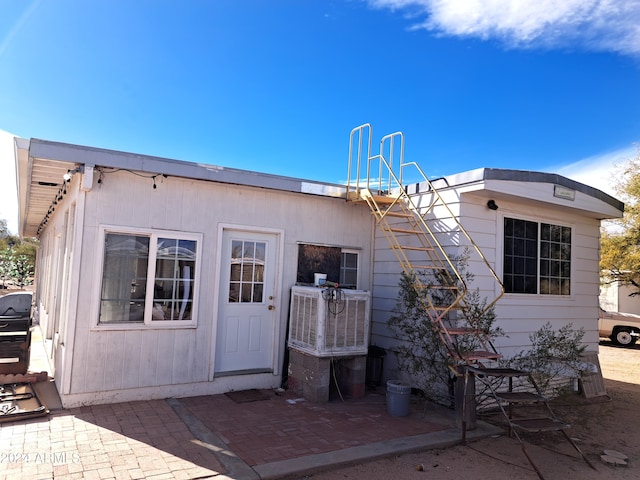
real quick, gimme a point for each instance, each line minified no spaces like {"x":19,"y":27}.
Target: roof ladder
{"x":421,"y":235}
{"x":422,"y":231}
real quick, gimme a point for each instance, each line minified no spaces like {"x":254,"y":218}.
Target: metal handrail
{"x":394,"y":187}
{"x":462,"y":229}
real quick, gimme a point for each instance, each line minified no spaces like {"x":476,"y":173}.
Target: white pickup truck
{"x":622,"y":328}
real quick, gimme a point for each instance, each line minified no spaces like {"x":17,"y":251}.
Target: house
{"x":160,"y":278}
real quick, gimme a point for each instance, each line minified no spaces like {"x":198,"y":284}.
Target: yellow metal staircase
{"x":426,"y":236}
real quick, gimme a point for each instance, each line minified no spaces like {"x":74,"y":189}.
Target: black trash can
{"x":375,"y":364}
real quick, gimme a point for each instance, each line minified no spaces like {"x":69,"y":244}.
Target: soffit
{"x":44,"y":185}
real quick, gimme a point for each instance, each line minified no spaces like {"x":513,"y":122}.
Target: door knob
{"x":271,"y":307}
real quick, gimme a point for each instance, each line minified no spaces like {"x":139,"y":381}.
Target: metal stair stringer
{"x":415,"y":240}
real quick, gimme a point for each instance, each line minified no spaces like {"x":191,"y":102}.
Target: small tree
{"x":17,"y":257}
{"x":620,"y":247}
{"x":553,"y":354}
{"x":6,"y":266}
{"x":422,"y":355}
{"x":22,"y":271}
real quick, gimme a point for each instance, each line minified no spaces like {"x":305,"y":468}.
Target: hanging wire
{"x":101,"y":173}
{"x":333,"y":297}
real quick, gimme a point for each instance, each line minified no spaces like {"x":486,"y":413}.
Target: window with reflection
{"x":148,"y":278}
{"x":246,"y":279}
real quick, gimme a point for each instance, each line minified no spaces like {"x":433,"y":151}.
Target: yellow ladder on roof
{"x":425,"y":235}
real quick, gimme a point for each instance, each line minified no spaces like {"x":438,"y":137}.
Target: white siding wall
{"x":55,"y":273}
{"x":521,"y":315}
{"x":518,"y":315}
{"x":130,"y":364}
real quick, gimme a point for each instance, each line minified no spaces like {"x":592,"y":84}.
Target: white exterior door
{"x":246,"y":307}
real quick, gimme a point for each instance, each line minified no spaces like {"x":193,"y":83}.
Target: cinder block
{"x":309,"y":376}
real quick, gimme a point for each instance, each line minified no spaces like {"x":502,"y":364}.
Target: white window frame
{"x":539,"y":220}
{"x":148,"y":322}
{"x":358,"y":254}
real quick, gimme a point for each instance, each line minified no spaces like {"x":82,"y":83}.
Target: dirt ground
{"x":605,"y":423}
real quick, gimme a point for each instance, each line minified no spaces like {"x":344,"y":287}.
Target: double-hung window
{"x":149,"y":278}
{"x":537,"y":258}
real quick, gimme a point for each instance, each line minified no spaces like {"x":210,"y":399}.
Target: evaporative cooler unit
{"x":328,"y":322}
{"x":328,"y":326}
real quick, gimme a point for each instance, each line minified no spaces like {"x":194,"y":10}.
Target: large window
{"x":537,"y":258}
{"x":340,"y":265}
{"x":148,"y":278}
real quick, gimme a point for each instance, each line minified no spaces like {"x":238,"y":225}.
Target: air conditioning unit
{"x":327,"y":322}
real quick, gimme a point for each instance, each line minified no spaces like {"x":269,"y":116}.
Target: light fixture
{"x":67,"y":176}
{"x":491,"y":205}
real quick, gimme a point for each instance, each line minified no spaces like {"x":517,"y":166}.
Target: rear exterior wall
{"x":114,"y":365}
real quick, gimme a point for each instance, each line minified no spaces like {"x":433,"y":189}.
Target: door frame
{"x":277,"y":291}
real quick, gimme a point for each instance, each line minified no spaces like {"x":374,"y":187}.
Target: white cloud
{"x":599,"y":25}
{"x":598,"y":171}
{"x":8,"y":189}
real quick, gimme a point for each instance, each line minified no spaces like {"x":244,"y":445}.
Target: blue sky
{"x":276,"y":86}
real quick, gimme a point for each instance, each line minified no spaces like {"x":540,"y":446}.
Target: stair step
{"x":497,"y":372}
{"x":383,"y":199}
{"x":402,"y":230}
{"x":418,"y":249}
{"x":479,"y":355}
{"x":464,"y":331}
{"x":539,"y":424}
{"x":519,"y":397}
{"x":443,"y":308}
{"x":399,"y":214}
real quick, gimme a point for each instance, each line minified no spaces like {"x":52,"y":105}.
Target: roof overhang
{"x":551,"y":189}
{"x":39,"y":181}
{"x":41,"y":166}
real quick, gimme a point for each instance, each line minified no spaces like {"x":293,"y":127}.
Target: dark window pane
{"x":544,"y":232}
{"x":258,"y":288}
{"x":544,"y":268}
{"x":544,"y":250}
{"x":531,"y":285}
{"x":508,"y":227}
{"x":246,"y":292}
{"x":508,"y":265}
{"x":556,"y":252}
{"x":520,"y":254}
{"x":234,"y":292}
{"x":508,"y":283}
{"x":518,"y":266}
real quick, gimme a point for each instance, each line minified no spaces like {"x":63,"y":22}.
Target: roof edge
{"x":86,"y":155}
{"x":484,"y":174}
